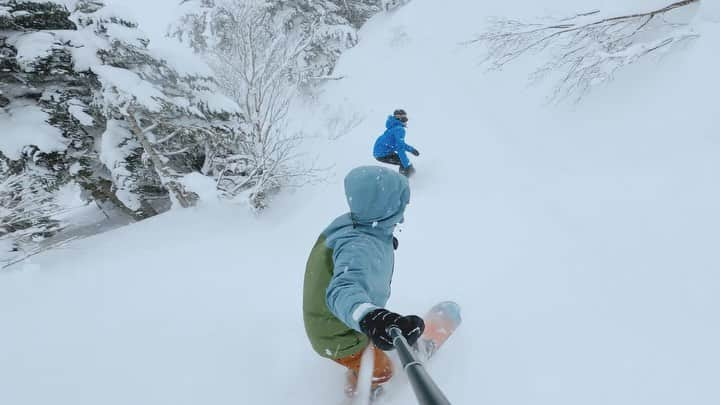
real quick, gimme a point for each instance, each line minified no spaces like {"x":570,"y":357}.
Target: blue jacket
{"x":393,"y":141}
{"x":361,"y":242}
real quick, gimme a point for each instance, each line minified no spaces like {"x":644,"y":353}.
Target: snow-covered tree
{"x":162,"y":118}
{"x":589,"y":48}
{"x":84,"y":100}
{"x":327,"y":26}
{"x":44,"y":144}
{"x":260,"y":64}
{"x":256,"y":63}
{"x":28,"y":206}
{"x":330,"y":26}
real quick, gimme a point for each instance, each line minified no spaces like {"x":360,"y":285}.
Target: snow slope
{"x":580,"y":241}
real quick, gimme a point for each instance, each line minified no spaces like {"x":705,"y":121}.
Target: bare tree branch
{"x":587,"y":49}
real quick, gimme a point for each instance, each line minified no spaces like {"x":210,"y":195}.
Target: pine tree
{"x":84,"y":100}
{"x":44,"y":145}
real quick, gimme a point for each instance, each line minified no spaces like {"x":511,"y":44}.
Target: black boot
{"x":407,"y":171}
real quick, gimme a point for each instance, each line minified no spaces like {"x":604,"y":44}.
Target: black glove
{"x":415,"y":152}
{"x":377,"y":323}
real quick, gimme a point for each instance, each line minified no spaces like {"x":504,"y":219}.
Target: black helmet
{"x":401,"y":115}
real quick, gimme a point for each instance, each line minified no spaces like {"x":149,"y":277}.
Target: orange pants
{"x":382,"y":372}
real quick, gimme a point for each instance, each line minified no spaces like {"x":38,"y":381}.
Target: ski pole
{"x":426,"y":391}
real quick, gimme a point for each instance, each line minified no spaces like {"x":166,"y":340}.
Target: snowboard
{"x":440,"y":323}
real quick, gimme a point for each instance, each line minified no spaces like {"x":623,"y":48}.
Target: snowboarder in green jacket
{"x":348,"y":275}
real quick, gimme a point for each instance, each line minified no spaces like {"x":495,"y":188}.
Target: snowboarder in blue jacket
{"x":390,"y":147}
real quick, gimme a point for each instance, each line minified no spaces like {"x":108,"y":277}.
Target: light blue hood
{"x":376,"y":196}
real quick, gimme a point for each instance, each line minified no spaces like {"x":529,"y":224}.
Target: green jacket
{"x":350,"y":266}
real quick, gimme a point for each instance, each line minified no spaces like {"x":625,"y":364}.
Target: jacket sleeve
{"x":399,"y":135}
{"x":347,"y":294}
